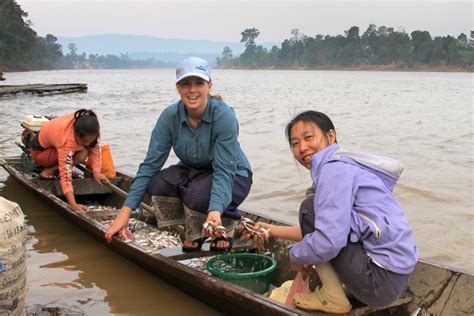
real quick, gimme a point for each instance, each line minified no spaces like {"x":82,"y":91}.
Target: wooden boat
{"x":433,"y":289}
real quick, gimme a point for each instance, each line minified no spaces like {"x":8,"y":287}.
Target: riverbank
{"x":390,"y":67}
{"x":402,"y":68}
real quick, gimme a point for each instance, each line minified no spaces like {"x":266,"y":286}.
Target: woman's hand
{"x":259,"y":225}
{"x":256,"y":228}
{"x":99,"y":177}
{"x":79,"y":207}
{"x":119,"y":225}
{"x":213,"y":217}
{"x":71,"y":200}
{"x":306,"y":269}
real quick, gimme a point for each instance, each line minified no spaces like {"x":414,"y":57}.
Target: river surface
{"x":424,"y":120}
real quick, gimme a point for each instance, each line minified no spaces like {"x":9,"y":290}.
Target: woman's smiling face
{"x":306,"y":139}
{"x":194,"y":92}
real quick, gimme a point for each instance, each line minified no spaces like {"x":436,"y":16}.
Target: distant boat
{"x":2,"y":78}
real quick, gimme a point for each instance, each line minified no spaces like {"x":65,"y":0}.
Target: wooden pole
{"x":124,"y":194}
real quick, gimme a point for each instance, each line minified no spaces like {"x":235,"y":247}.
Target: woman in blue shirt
{"x":213,"y":176}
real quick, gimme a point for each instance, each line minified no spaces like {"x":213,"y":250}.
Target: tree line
{"x":22,"y":49}
{"x":375,"y":47}
{"x":73,"y":60}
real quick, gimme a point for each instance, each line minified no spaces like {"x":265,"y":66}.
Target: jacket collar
{"x":321,"y":157}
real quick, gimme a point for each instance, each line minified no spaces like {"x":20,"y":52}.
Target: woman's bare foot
{"x":192,"y":245}
{"x":47,"y":174}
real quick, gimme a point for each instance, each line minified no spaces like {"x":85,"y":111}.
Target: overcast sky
{"x":224,"y":20}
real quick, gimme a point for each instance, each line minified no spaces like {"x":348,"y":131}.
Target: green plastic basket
{"x":249,"y":270}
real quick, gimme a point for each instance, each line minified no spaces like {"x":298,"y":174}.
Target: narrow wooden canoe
{"x":432,"y":290}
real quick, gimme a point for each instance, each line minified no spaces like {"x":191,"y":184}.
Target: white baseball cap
{"x":193,"y":66}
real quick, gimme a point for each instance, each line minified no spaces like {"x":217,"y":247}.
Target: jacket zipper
{"x":378,"y":232}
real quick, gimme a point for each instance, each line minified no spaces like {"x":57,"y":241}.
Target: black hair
{"x":86,"y":123}
{"x":320,"y":119}
{"x":216,"y":97}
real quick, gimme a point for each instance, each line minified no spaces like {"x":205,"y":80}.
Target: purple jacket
{"x":354,"y":199}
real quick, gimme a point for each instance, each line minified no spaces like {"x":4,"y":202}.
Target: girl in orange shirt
{"x":67,"y":141}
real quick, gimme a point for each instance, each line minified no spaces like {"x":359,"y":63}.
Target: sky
{"x":224,"y":20}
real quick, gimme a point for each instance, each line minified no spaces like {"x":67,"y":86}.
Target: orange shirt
{"x":59,"y":133}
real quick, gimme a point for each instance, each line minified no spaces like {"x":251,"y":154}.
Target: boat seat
{"x":86,"y":186}
{"x":82,"y":186}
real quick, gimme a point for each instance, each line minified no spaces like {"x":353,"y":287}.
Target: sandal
{"x":199,"y":242}
{"x":214,"y":243}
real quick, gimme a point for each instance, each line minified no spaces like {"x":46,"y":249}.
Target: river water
{"x":424,"y":120}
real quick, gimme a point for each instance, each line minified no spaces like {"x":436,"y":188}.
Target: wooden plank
{"x":42,"y":89}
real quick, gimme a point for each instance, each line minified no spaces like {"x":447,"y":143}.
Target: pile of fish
{"x":103,"y":214}
{"x":148,"y":237}
{"x":153,"y":239}
{"x":197,"y":263}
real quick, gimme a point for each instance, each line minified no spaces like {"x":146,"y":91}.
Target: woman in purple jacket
{"x":352,"y":228}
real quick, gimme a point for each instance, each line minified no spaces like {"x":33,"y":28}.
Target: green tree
{"x":352,"y":34}
{"x":249,"y":36}
{"x":248,"y":57}
{"x":422,"y":46}
{"x":226,"y":57}
{"x":72,"y":49}
{"x":17,"y":39}
{"x":370,"y":42}
{"x":462,"y":40}
{"x":450,"y":49}
{"x":227,"y":53}
{"x":351,"y":53}
{"x":395,"y":48}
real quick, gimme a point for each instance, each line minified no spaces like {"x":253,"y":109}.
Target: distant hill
{"x":145,"y":47}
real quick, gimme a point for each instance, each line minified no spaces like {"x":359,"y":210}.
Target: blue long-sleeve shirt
{"x":213,"y":145}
